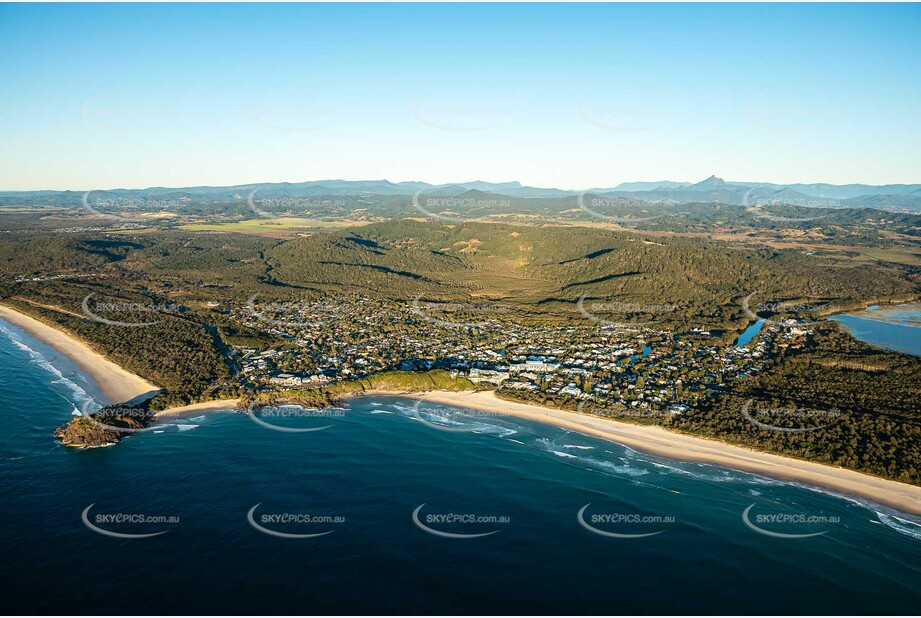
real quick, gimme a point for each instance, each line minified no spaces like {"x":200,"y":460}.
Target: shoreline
{"x":214,"y":405}
{"x":682,"y":447}
{"x":654,"y":440}
{"x":120,"y":385}
{"x":902,"y":336}
{"x":116,"y":383}
{"x":882,"y":309}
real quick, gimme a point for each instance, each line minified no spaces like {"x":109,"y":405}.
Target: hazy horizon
{"x":450,"y":182}
{"x":568,"y":96}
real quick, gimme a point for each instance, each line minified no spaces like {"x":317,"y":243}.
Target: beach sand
{"x":119,"y":385}
{"x":659,"y":441}
{"x":196,"y":408}
{"x":116,"y":384}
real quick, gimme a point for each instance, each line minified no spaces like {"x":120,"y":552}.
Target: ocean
{"x":396,"y":507}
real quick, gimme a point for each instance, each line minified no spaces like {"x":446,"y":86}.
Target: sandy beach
{"x":659,"y":441}
{"x":116,"y":384}
{"x":196,"y":408}
{"x":119,"y":385}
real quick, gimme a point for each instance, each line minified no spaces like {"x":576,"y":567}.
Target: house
{"x":488,"y":375}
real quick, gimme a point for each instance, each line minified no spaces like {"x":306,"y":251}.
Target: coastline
{"x":117,"y":384}
{"x":659,"y":441}
{"x":877,"y":328}
{"x":654,"y":440}
{"x":205,"y":406}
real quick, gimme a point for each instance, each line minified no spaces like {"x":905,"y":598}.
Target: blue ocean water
{"x":893,"y":328}
{"x":514,"y":488}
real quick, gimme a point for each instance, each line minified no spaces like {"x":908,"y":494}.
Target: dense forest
{"x":181,"y":284}
{"x":864,"y":403}
{"x":837,"y":401}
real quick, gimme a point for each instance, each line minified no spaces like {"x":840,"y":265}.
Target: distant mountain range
{"x":715,"y":189}
{"x":905,"y":198}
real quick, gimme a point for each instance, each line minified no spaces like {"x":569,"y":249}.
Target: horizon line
{"x":445,"y":184}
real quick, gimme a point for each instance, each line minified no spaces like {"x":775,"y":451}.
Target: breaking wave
{"x":905,"y":526}
{"x":81,"y":399}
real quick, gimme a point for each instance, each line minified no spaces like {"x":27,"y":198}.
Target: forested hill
{"x":190,"y":288}
{"x":542,"y":269}
{"x":550,"y":268}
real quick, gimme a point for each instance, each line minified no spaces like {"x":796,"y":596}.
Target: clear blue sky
{"x":573,"y":96}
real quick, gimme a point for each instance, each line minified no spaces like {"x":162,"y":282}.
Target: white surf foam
{"x":626,"y":469}
{"x":898,"y":524}
{"x":720,"y":476}
{"x":21,"y":345}
{"x":83,"y":399}
{"x":493,"y":430}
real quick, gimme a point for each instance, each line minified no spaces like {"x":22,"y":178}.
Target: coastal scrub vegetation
{"x":188,"y":289}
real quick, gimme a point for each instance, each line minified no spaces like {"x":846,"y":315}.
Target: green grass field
{"x":898,"y":255}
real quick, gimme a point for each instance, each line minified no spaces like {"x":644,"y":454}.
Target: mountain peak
{"x":474,"y":194}
{"x":712,"y":181}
